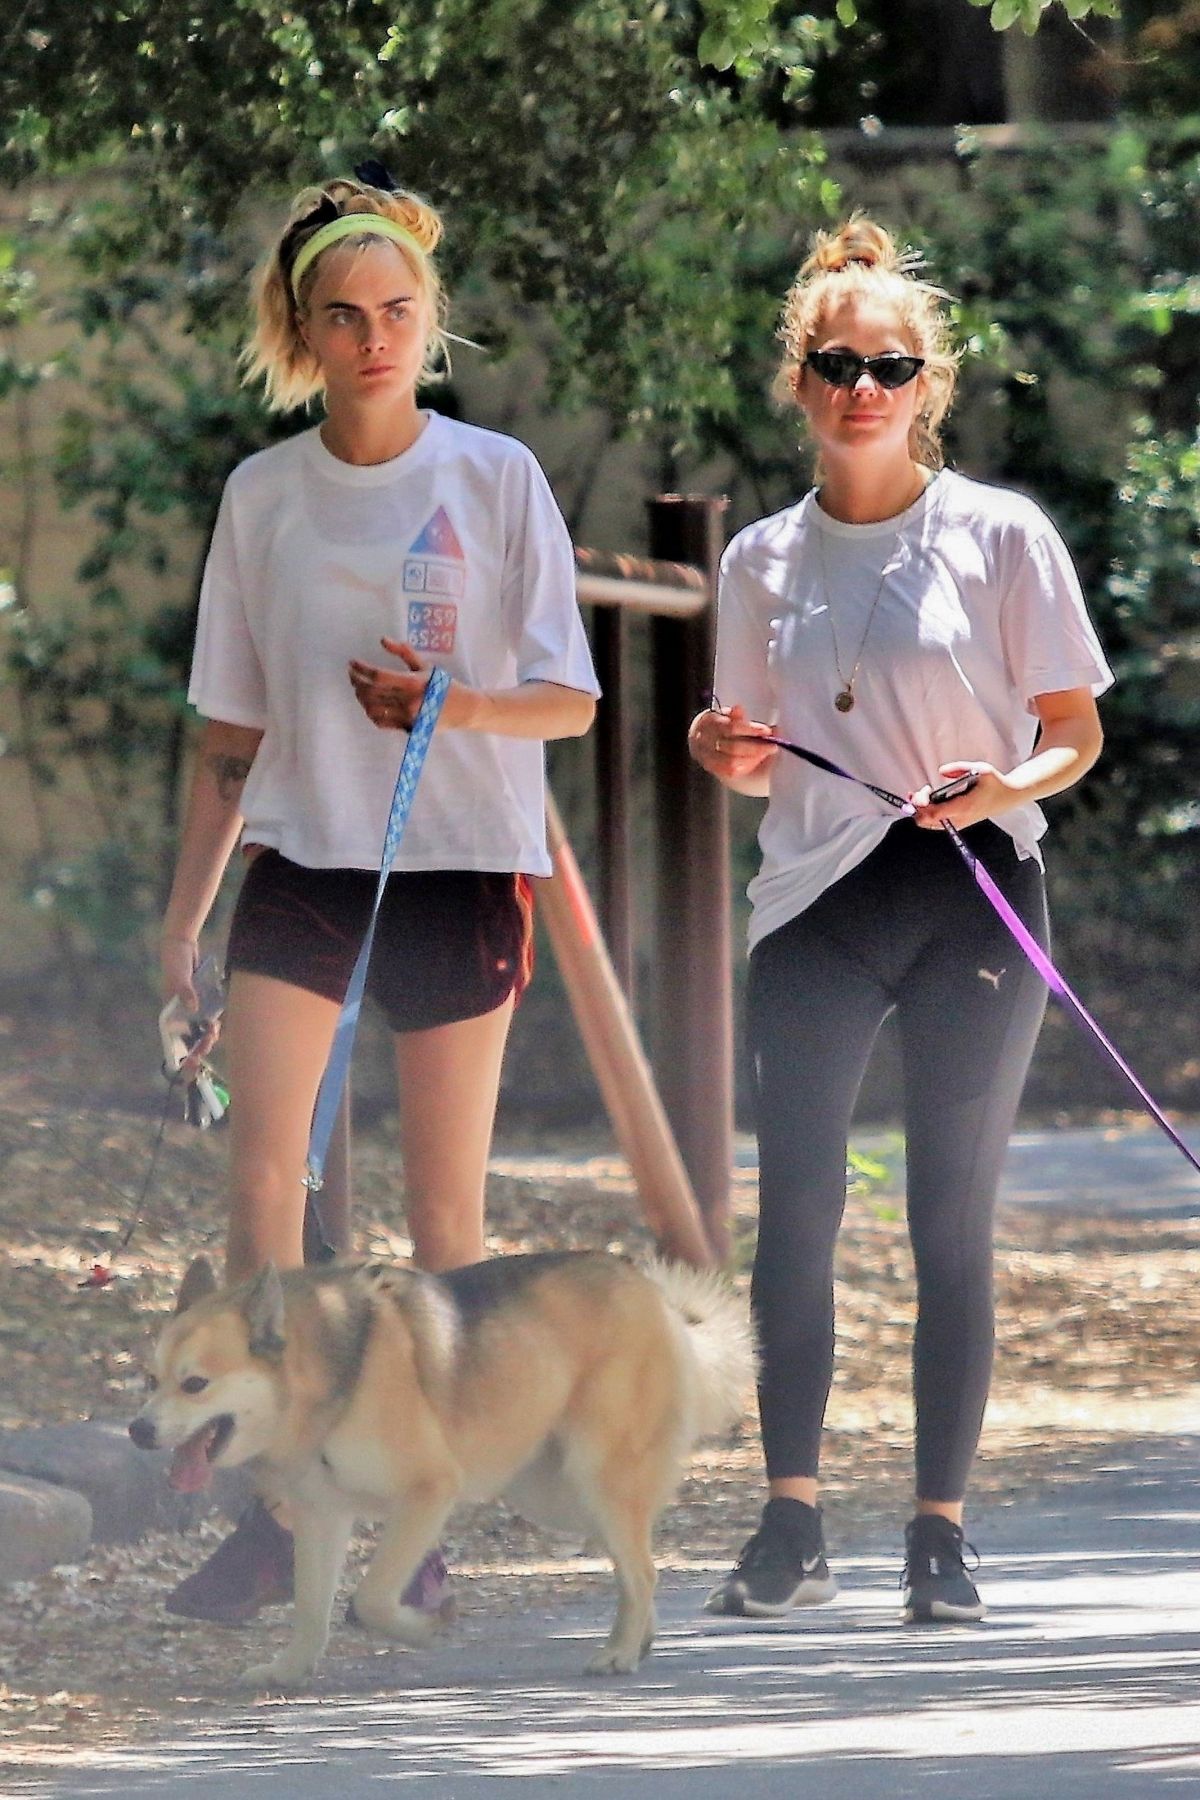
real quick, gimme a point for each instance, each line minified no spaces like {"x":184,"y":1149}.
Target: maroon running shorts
{"x":449,"y":943}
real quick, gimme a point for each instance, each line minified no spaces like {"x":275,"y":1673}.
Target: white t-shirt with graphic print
{"x":980,"y":611}
{"x":457,"y":546}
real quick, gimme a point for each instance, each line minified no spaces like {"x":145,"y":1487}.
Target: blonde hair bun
{"x":407,"y":209}
{"x":860,"y":240}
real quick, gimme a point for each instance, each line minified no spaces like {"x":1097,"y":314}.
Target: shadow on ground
{"x":1083,"y":1682}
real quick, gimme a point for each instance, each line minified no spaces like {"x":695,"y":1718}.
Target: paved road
{"x":1094,"y":1171}
{"x":1128,"y":1169}
{"x":1084,"y":1684}
{"x":1132,"y":1170}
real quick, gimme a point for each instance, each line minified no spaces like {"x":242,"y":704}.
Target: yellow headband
{"x":351,"y":225}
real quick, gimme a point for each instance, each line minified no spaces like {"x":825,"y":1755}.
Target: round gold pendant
{"x":844,"y":701}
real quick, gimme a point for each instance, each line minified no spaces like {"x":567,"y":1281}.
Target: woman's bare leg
{"x":277,"y":1039}
{"x":449,"y":1082}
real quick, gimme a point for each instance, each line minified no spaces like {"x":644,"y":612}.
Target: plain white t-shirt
{"x":457,"y":546}
{"x":980,"y":610}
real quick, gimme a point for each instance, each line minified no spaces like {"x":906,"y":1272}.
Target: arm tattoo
{"x":230,"y":773}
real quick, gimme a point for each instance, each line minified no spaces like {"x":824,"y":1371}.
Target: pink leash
{"x":1019,"y":930}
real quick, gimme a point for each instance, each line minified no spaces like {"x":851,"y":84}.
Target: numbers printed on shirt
{"x":432,"y":626}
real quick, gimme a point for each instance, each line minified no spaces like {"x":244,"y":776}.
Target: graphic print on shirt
{"x":434,"y":568}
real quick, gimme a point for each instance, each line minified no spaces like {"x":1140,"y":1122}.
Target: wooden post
{"x":618,"y":1062}
{"x":613,"y":762}
{"x":693,"y":966}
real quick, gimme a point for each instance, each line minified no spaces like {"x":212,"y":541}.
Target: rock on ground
{"x":125,"y":1488}
{"x":40,"y":1526}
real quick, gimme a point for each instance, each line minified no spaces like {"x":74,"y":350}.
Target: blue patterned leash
{"x":338,"y":1067}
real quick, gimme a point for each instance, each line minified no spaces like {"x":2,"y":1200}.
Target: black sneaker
{"x":935,"y":1580}
{"x":782,"y":1566}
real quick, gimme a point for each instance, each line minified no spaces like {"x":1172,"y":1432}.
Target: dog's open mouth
{"x":191,"y":1465}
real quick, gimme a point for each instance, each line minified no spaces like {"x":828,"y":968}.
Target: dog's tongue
{"x":190,"y":1470}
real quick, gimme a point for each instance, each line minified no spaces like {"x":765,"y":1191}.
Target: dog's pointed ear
{"x":199,"y":1281}
{"x":263,"y":1312}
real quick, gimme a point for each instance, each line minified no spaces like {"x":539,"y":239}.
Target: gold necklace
{"x":844,"y":698}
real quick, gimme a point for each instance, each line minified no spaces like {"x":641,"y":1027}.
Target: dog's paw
{"x":614,"y":1660}
{"x":282,"y":1672}
{"x":402,"y":1624}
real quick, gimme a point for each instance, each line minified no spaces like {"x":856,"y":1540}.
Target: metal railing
{"x":667,"y":590}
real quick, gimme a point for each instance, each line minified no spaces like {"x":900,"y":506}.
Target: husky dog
{"x":574,"y":1384}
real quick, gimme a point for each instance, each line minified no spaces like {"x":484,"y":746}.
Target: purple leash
{"x":1019,"y":930}
{"x":903,"y":806}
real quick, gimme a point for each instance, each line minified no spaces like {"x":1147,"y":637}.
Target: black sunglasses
{"x":842,"y":368}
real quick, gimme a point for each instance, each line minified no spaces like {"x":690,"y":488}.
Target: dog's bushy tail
{"x":719,"y":1340}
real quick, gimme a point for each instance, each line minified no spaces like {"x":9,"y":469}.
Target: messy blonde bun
{"x":276,"y":353}
{"x":861,"y":260}
{"x":859,"y":241}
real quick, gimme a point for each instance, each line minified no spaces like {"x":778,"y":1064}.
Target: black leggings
{"x":906,"y":929}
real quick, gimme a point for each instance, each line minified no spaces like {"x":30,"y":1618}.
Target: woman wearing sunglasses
{"x":926,"y":632}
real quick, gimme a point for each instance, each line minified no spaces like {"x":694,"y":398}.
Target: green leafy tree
{"x":560,"y":134}
{"x":587,"y":156}
{"x":1028,"y":14}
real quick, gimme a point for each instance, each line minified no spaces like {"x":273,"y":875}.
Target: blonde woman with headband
{"x":926,"y":633}
{"x":345,"y":563}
